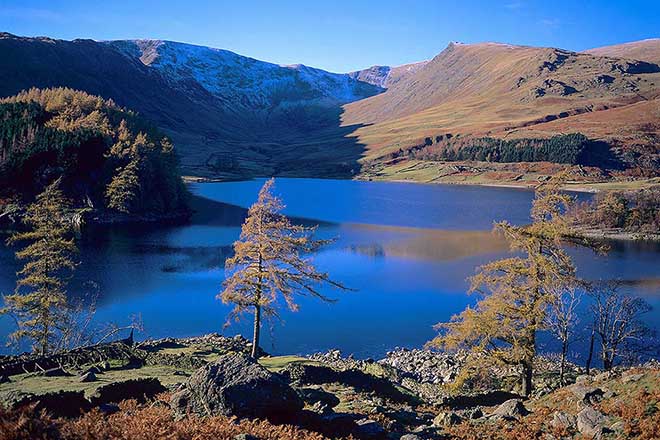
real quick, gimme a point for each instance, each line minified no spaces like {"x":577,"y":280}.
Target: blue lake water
{"x":405,"y":249}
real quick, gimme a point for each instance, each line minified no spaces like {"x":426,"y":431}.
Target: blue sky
{"x":340,"y":35}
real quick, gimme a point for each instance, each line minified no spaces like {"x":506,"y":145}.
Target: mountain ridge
{"x":236,"y":116}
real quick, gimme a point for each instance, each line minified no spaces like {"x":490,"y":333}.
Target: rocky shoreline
{"x":405,"y":395}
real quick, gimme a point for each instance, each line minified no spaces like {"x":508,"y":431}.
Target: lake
{"x":405,"y":250}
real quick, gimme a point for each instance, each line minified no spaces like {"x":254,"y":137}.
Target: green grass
{"x":278,"y":363}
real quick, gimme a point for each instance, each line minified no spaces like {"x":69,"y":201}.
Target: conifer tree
{"x":269,"y":264}
{"x":123,"y":190}
{"x":39,"y":303}
{"x":518,"y":291}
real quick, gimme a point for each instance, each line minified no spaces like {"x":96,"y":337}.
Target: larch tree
{"x":39,"y":303}
{"x":123,"y":190}
{"x":516,"y":292}
{"x":270,"y":264}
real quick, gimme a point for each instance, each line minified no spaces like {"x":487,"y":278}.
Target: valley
{"x":232,"y":116}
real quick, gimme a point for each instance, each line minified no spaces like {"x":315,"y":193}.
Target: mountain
{"x":231,"y":115}
{"x":235,"y":116}
{"x":501,"y":90}
{"x":645,"y":50}
{"x":386,"y":76}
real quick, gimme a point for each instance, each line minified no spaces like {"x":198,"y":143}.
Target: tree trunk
{"x":257,"y":328}
{"x":562,"y":365}
{"x":607,"y":362}
{"x":526,"y":379}
{"x":591,"y":350}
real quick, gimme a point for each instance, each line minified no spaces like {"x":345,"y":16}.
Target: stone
{"x":511,"y":409}
{"x":605,"y":375}
{"x":590,"y":423}
{"x":410,"y":437}
{"x":583,"y":379}
{"x":57,"y":404}
{"x":632,"y":377}
{"x":447,"y":419}
{"x":88,"y":377}
{"x":236,"y":385}
{"x":54,"y":372}
{"x":369,"y":428}
{"x":587,"y":395}
{"x":563,"y":420}
{"x":108,"y":408}
{"x":138,"y":389}
{"x":312,"y":396}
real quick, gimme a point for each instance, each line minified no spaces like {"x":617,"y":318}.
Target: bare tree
{"x":562,"y":320}
{"x":617,"y":321}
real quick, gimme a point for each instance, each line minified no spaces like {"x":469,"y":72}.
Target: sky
{"x":340,"y":36}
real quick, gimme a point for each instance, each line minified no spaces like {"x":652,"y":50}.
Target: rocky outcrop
{"x":57,"y":404}
{"x":590,"y":423}
{"x":138,"y":389}
{"x":509,"y":410}
{"x":235,"y":385}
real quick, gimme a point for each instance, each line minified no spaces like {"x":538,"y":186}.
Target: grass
{"x":276,"y":364}
{"x":41,"y":385}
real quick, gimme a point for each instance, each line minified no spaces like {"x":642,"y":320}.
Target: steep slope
{"x":645,"y":50}
{"x":230,"y":115}
{"x":244,"y":81}
{"x":493,"y":89}
{"x":386,"y":76}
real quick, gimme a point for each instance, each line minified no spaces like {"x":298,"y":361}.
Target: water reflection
{"x":406,"y":249}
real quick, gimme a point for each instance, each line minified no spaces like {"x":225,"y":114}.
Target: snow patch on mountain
{"x":243,"y":80}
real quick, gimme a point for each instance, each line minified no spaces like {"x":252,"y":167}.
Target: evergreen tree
{"x":39,"y":303}
{"x":518,"y":291}
{"x":123,"y":190}
{"x":268,"y":264}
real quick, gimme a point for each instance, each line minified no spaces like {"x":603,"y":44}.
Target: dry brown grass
{"x":140,"y":422}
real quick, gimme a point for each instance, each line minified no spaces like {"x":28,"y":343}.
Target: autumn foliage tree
{"x":516,"y":292}
{"x":39,"y":303}
{"x":269,"y":264}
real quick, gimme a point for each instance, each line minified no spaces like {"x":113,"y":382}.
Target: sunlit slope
{"x":494,"y":89}
{"x":645,"y":50}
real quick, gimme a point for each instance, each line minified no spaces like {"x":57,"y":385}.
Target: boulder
{"x":138,"y":389}
{"x":312,"y":396}
{"x":627,"y":378}
{"x":445,"y":419}
{"x":236,"y":385}
{"x":57,"y":404}
{"x":587,"y":395}
{"x":410,"y":437}
{"x":88,"y":377}
{"x":583,"y":379}
{"x":511,"y":409}
{"x":590,"y":423}
{"x":54,"y":372}
{"x":368,"y":428}
{"x":563,"y":420}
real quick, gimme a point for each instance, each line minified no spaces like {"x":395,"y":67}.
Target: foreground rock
{"x":138,"y":389}
{"x":590,"y":423}
{"x":56,"y":404}
{"x":509,"y":410}
{"x":235,"y":385}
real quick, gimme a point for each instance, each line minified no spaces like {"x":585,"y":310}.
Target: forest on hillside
{"x":107,"y":158}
